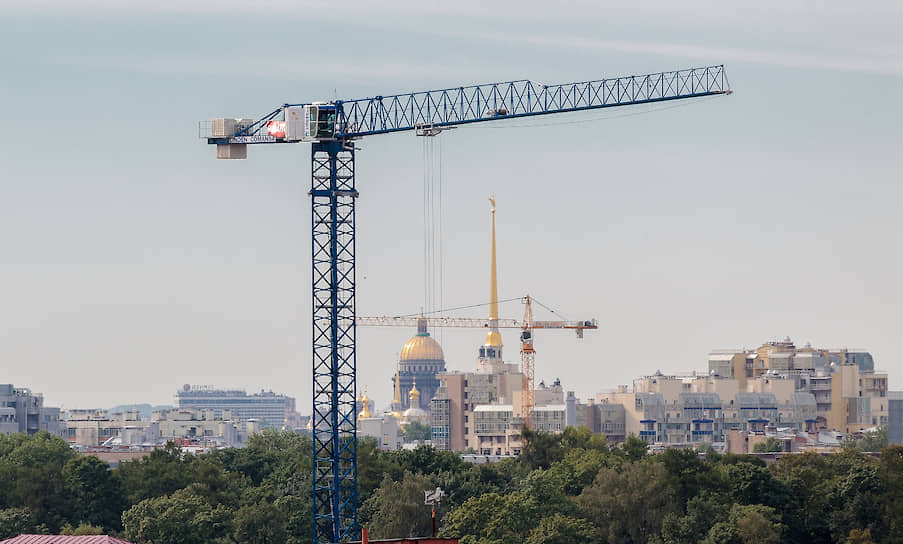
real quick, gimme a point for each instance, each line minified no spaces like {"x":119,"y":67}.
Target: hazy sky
{"x":132,"y":262}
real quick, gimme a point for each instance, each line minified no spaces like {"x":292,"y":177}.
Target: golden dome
{"x":414,"y":394}
{"x":422,"y":347}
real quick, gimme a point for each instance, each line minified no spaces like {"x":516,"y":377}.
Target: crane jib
{"x":443,"y":108}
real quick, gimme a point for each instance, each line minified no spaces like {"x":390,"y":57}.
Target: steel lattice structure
{"x":495,"y":101}
{"x":523,"y":98}
{"x":333,"y":194}
{"x":334,"y":415}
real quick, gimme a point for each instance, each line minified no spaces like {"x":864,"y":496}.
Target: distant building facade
{"x":267,"y":408}
{"x":452,"y":413}
{"x":22,"y":411}
{"x":895,"y":418}
{"x":90,"y":428}
{"x":776,"y":388}
{"x":850,"y":395}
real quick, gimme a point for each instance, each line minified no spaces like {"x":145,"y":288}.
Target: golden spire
{"x":396,"y":401}
{"x":493,"y":337}
{"x":365,"y":409}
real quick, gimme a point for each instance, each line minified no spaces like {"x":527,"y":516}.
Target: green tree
{"x":259,"y":523}
{"x":891,"y":473}
{"x":543,"y":493}
{"x":415,"y":431}
{"x":702,"y":512}
{"x":769,"y":445}
{"x":856,"y":497}
{"x":493,"y":518}
{"x":396,"y":508}
{"x":874,"y":441}
{"x":475,"y":480}
{"x":561,"y":529}
{"x":161,"y":473}
{"x":298,"y":515}
{"x":98,"y":497}
{"x":82,"y":530}
{"x":635,"y":448}
{"x":582,"y":438}
{"x":425,"y":460}
{"x":16,"y":521}
{"x":372,"y":465}
{"x":808,"y":480}
{"x":579,"y":468}
{"x":687,"y":473}
{"x":746,"y":524}
{"x":31,"y":476}
{"x":627,"y":505}
{"x":540,"y":449}
{"x":182,"y":518}
{"x":751,"y":484}
{"x":42,"y":448}
{"x":848,"y":442}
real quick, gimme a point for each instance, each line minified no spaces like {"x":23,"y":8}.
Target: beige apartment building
{"x":850,"y":394}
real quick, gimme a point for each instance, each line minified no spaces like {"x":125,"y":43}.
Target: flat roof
{"x":492,"y":408}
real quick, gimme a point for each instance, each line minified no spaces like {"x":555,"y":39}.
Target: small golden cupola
{"x":365,"y":406}
{"x":414,"y":395}
{"x":415,"y":413}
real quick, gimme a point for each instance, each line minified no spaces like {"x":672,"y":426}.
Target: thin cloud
{"x":504,"y":9}
{"x":891,"y":63}
{"x":264,"y":66}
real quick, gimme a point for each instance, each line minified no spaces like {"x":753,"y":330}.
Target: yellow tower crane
{"x":493,"y":336}
{"x":527,"y":326}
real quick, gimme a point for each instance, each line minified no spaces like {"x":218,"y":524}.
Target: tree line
{"x":568,"y":488}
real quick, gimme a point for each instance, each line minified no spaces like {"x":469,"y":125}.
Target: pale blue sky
{"x":133,"y":262}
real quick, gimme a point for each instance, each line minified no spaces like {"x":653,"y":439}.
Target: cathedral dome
{"x":422,"y":347}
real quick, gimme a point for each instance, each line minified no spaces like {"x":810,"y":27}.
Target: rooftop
{"x":493,"y":408}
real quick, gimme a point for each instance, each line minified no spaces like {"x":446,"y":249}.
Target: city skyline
{"x":134,"y":262}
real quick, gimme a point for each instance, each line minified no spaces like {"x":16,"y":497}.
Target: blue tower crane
{"x":332,"y":127}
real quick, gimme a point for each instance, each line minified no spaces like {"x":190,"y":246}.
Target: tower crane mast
{"x":528,"y":364}
{"x":332,"y":127}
